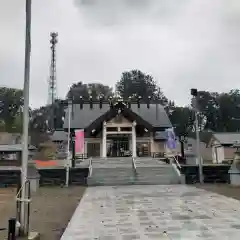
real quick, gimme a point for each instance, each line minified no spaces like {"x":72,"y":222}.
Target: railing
{"x":134,"y":165}
{"x":157,"y":154}
{"x":176,"y":165}
{"x":82,"y":156}
{"x":90,"y":168}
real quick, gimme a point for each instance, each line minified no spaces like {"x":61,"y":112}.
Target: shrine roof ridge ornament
{"x":112,"y":100}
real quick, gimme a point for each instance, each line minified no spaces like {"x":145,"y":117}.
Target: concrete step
{"x":110,"y":172}
{"x":111,"y":184}
{"x":111,"y":160}
{"x":133,"y":181}
{"x":142,"y":169}
{"x":98,"y":182}
{"x":149,"y":162}
{"x":156,"y":172}
{"x":156,"y":183}
{"x":113,"y":174}
{"x":112,"y":178}
{"x":156,"y":177}
{"x":119,"y":171}
{"x":160,"y":180}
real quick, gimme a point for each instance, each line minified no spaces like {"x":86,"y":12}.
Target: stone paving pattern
{"x":154,"y":212}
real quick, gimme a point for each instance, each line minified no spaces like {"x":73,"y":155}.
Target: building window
{"x":112,"y":129}
{"x":126,"y":129}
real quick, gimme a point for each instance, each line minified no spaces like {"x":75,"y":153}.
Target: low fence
{"x":58,"y":176}
{"x":10,"y":163}
{"x":77,"y":176}
{"x":211,"y":173}
{"x":9,"y":177}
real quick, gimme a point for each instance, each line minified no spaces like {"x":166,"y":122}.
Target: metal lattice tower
{"x":52,"y":84}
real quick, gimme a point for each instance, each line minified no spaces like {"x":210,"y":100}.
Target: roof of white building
{"x":227,"y":138}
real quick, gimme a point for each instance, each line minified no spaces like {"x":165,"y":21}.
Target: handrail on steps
{"x":134,"y":164}
{"x":177,"y":165}
{"x":90,"y":167}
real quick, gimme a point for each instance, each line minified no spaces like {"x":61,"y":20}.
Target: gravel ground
{"x":7,"y":208}
{"x":51,"y":209}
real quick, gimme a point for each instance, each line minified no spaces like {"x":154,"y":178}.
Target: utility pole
{"x":194,"y":93}
{"x":23,"y":215}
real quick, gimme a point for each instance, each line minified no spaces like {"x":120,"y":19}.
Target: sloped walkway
{"x":155,"y":212}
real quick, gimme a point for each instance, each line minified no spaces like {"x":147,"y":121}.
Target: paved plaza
{"x":154,"y":212}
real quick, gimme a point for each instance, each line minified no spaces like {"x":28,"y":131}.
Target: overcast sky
{"x":182,"y":43}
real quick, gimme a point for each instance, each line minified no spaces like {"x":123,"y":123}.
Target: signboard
{"x":171,"y":139}
{"x":79,"y":141}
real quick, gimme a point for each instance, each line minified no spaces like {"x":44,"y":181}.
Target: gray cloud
{"x":124,"y":13}
{"x":183,"y":44}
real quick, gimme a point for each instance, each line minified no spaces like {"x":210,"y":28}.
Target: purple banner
{"x":171,"y":139}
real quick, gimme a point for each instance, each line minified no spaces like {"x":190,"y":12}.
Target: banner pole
{"x":68,"y":143}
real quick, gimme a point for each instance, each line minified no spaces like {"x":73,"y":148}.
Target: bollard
{"x":12,"y":229}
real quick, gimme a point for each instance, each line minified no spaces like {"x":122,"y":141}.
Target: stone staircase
{"x":151,"y":171}
{"x":111,"y":172}
{"x":120,"y":171}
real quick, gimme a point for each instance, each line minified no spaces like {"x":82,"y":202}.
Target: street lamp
{"x":194,"y":93}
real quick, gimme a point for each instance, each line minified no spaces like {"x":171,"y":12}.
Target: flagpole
{"x":68,"y":143}
{"x":23,"y":212}
{"x":194,"y":93}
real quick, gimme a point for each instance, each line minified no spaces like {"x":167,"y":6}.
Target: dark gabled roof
{"x":111,"y":113}
{"x":82,"y":118}
{"x":155,"y":115}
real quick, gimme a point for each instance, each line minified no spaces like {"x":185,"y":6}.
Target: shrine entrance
{"x":118,"y":146}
